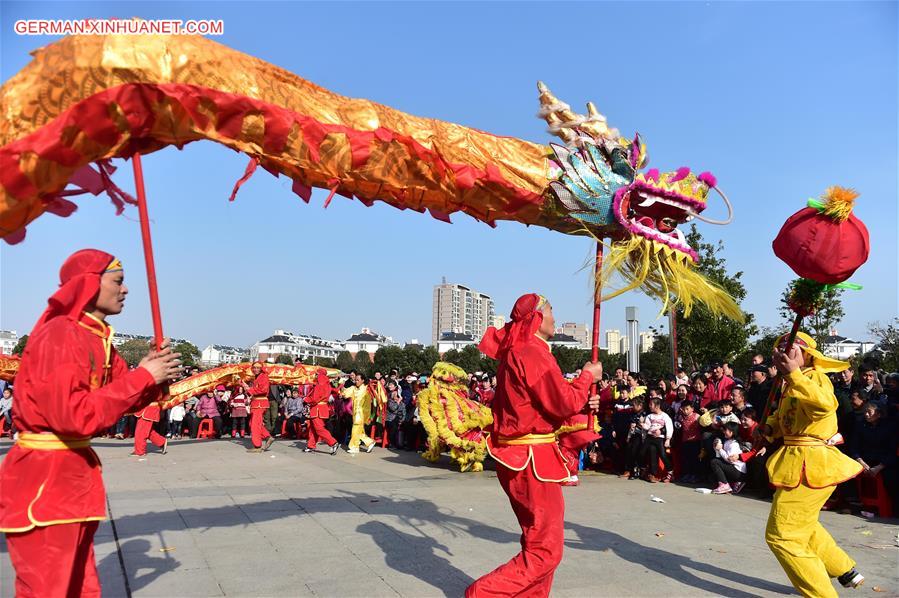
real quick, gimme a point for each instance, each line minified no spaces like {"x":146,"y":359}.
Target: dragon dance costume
{"x":258,"y":406}
{"x":144,"y":431}
{"x":532,"y":401}
{"x":319,"y":411}
{"x":805,"y":471}
{"x":72,"y":385}
{"x":453,"y":420}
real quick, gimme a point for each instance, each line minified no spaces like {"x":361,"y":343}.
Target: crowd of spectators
{"x":697,"y":428}
{"x":701,"y":428}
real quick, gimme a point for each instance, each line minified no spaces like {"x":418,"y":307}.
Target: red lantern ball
{"x":817,"y":247}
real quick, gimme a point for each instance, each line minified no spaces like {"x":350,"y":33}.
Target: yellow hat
{"x":822,"y":362}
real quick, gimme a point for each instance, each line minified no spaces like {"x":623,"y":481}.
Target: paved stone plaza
{"x":209,"y":519}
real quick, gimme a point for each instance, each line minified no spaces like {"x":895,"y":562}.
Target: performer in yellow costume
{"x":806,"y":470}
{"x":361,"y":414}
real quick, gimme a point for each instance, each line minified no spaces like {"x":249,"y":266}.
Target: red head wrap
{"x":321,"y":377}
{"x":259,"y":363}
{"x":524,"y":322}
{"x":79,"y":284}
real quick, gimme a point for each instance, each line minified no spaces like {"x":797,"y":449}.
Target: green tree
{"x":20,"y":346}
{"x":389,"y":358}
{"x":570,"y":358}
{"x":285,"y":359}
{"x":451,"y":356}
{"x":469,"y":358}
{"x":133,"y":351}
{"x":762,"y":345}
{"x":488,"y":365}
{"x":362,"y":363}
{"x":429,"y":356}
{"x":344,"y":361}
{"x":704,"y":336}
{"x":886,"y":354}
{"x":190,"y":354}
{"x":819,"y":324}
{"x":656,"y":363}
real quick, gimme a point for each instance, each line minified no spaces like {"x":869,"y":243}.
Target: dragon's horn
{"x":565,"y":123}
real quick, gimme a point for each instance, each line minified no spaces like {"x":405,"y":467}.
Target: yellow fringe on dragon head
{"x":452,"y":420}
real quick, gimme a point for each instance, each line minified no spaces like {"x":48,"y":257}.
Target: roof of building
{"x":366,"y":337}
{"x":563,"y":338}
{"x":277,"y":338}
{"x":229,"y":348}
{"x":456,"y":336}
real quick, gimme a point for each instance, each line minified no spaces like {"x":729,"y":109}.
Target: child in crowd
{"x":727,"y":466}
{"x":690,"y":441}
{"x":238,"y":406}
{"x":657,"y":445}
{"x":634,"y":440}
{"x":6,"y":410}
{"x":714,"y":421}
{"x":176,"y":421}
{"x":621,"y":419}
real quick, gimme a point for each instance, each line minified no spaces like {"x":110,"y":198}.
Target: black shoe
{"x":308,"y":450}
{"x":851,"y":579}
{"x":335,"y":448}
{"x":268,"y":443}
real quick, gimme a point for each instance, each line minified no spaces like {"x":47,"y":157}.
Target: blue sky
{"x":779,"y":100}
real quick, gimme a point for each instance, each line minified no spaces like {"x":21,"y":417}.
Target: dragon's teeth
{"x":647,"y":202}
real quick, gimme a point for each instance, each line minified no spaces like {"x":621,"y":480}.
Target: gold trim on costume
{"x":114,"y":266}
{"x":526,"y":439}
{"x":47,"y":441}
{"x":106,"y":333}
{"x":803,"y":441}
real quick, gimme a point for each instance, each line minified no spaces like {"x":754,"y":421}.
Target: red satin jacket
{"x":149,"y":413}
{"x":532,"y":397}
{"x":318,"y":401}
{"x":63,"y":387}
{"x":259,"y":392}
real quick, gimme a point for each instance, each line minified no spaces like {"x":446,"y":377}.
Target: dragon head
{"x":596,"y":181}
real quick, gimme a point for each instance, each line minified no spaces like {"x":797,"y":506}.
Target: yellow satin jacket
{"x":806,"y":419}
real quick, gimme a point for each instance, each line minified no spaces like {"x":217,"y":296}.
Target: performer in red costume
{"x":258,"y":394}
{"x":532,"y":401}
{"x":72,"y":385}
{"x":144,"y":431}
{"x":319,"y":411}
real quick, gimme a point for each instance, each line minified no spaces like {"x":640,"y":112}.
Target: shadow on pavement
{"x":144,"y":569}
{"x":416,"y":555}
{"x":675,"y":566}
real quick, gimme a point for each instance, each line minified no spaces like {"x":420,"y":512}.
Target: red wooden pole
{"x":148,"y":250}
{"x":597,"y":309}
{"x":672,"y":330}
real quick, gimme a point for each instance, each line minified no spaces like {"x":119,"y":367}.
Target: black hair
{"x":749,"y":412}
{"x":734,"y":428}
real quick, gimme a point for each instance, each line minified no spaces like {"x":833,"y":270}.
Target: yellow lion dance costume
{"x":453,"y":420}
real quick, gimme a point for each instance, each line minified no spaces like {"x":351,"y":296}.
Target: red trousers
{"x":56,"y":561}
{"x":144,"y":431}
{"x":318,"y":431}
{"x":540,"y":510}
{"x":258,"y":433}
